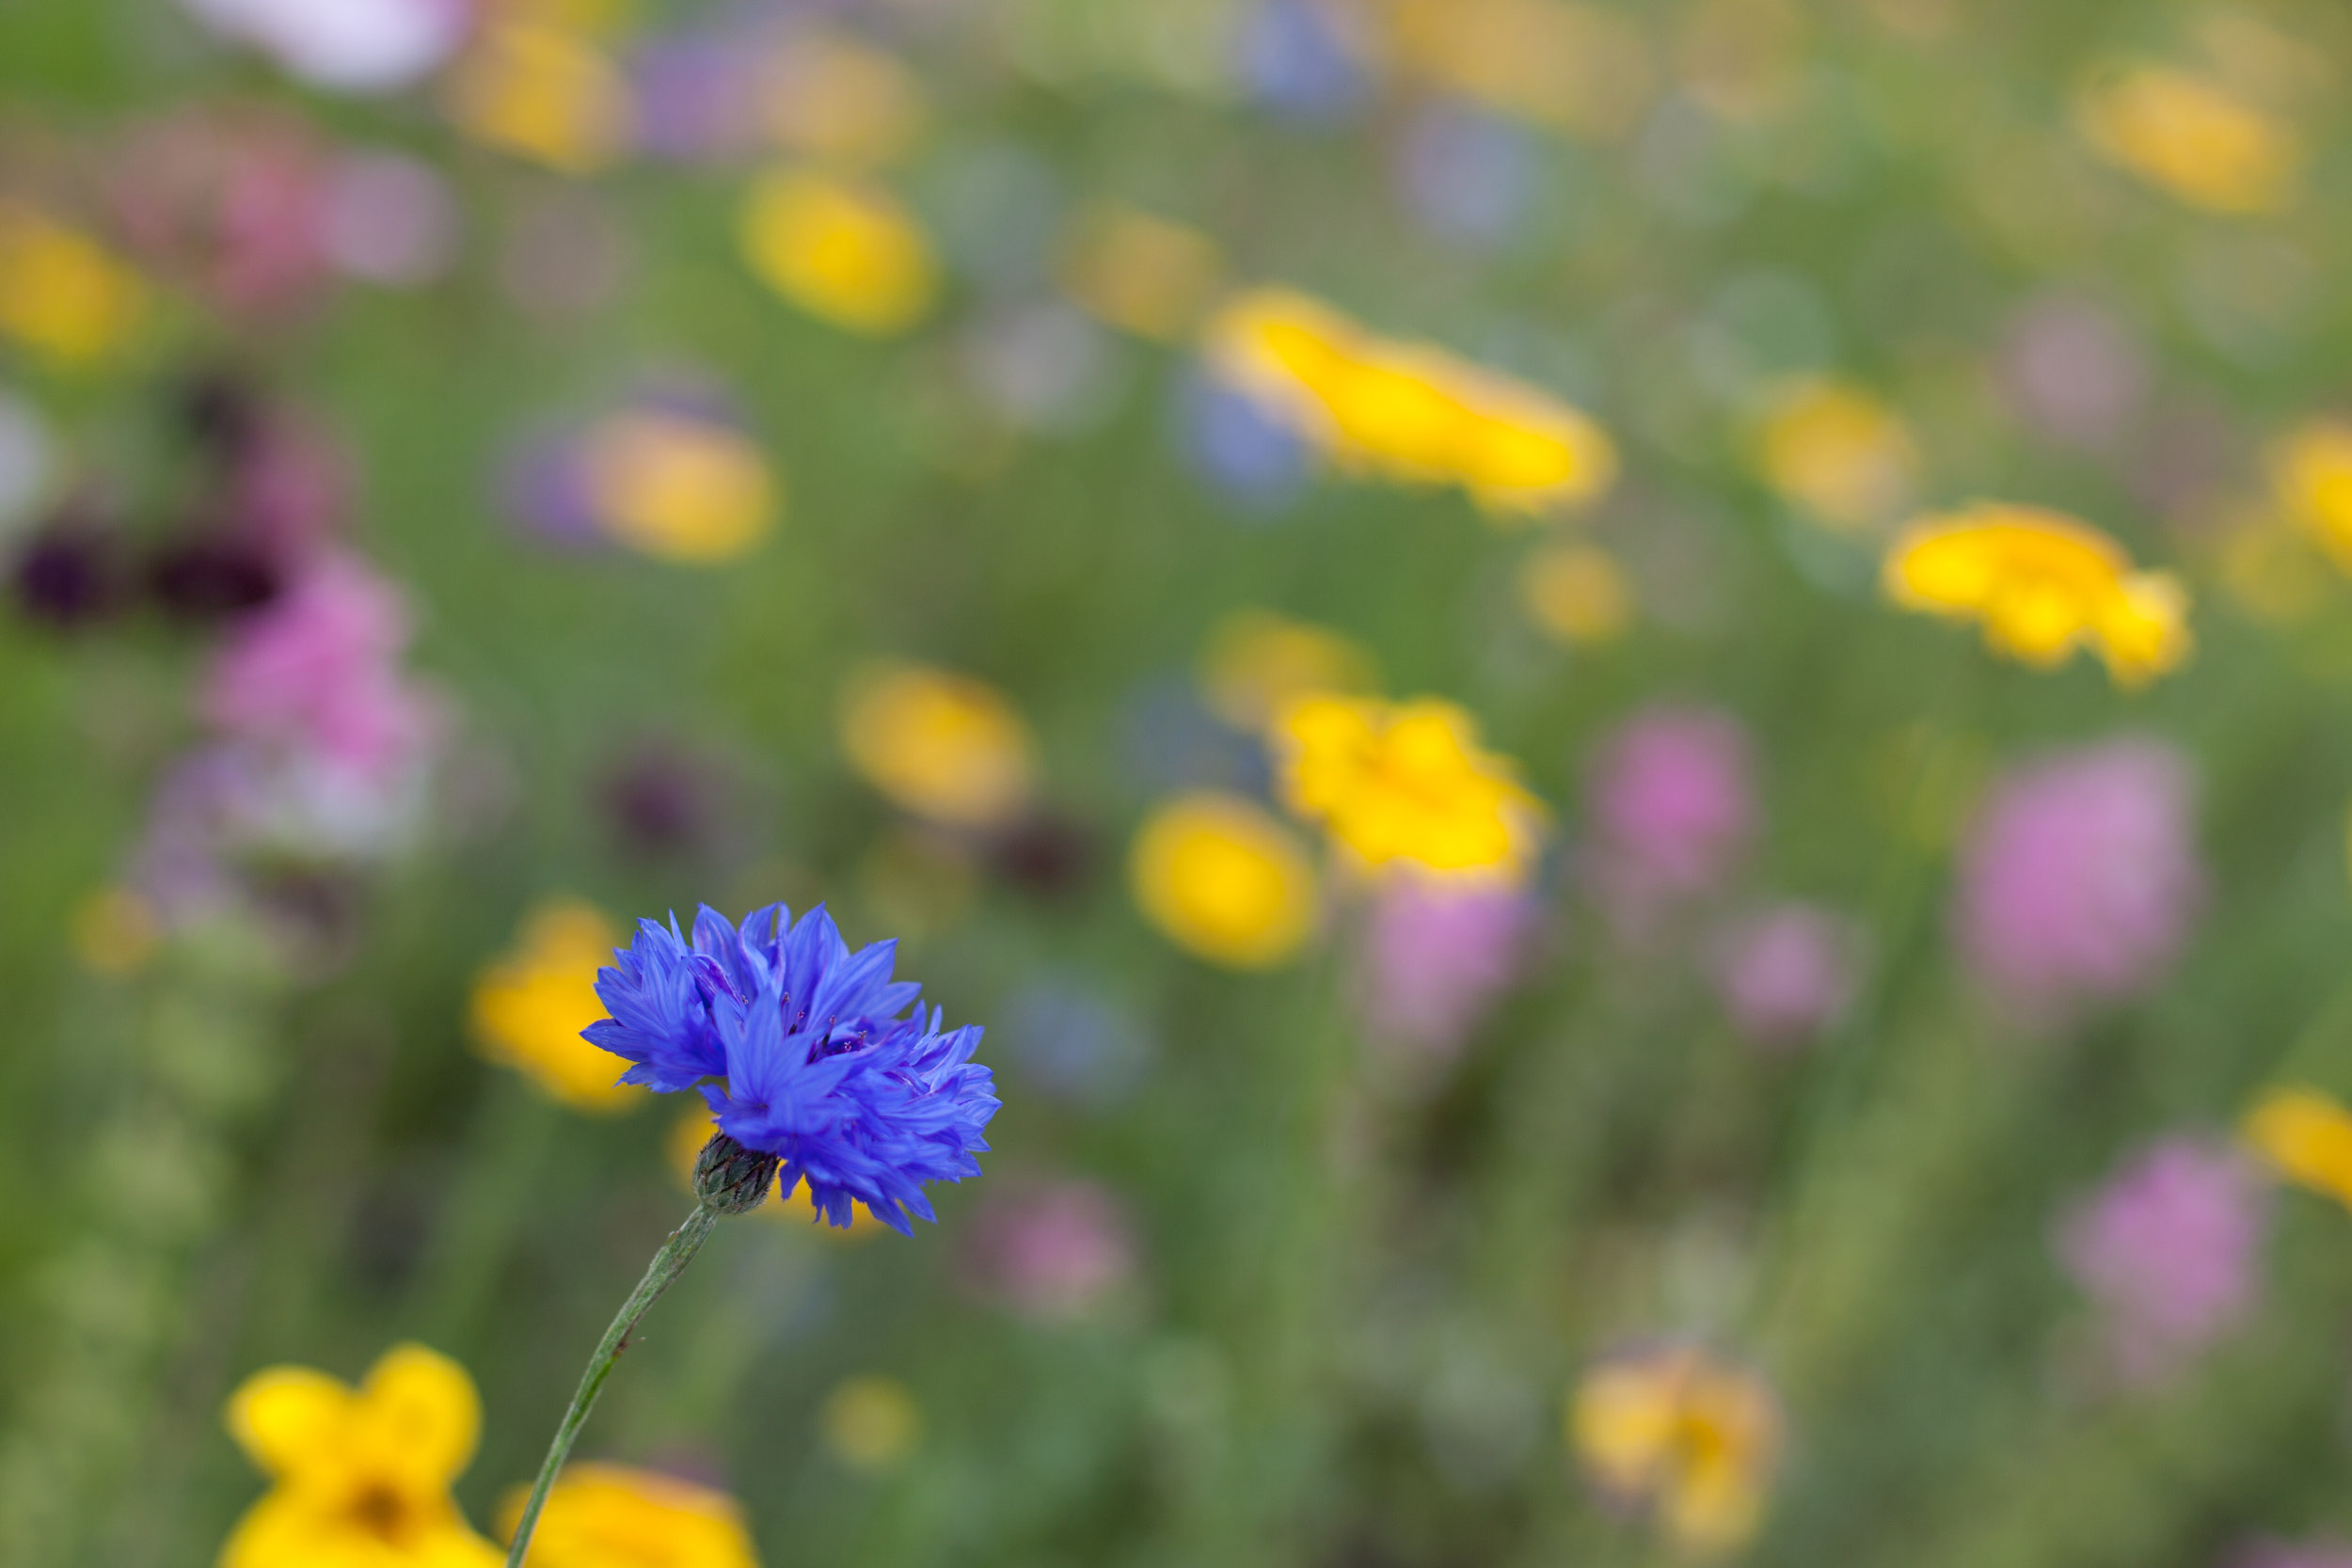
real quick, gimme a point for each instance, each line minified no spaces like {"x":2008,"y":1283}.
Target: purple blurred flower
{"x":1436,"y":956}
{"x":316,"y":676}
{"x":1785,"y":974}
{"x":548,"y":489}
{"x":1672,"y":808}
{"x":1051,"y":1251}
{"x":2167,"y":1250}
{"x":2080,"y":877}
{"x":2073,"y":372}
{"x":1298,"y":60}
{"x":696,"y":98}
{"x":2294,"y":1554}
{"x":1466,"y":176}
{"x":1246,"y":454}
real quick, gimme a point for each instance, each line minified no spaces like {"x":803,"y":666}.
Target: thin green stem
{"x":666,"y":1266}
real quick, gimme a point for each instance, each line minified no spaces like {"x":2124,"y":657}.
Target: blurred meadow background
{"x":1849,"y":497}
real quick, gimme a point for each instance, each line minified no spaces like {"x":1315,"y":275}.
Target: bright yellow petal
{"x":419,"y":1416}
{"x":283,"y":1416}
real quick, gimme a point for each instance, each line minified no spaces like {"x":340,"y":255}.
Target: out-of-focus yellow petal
{"x":284,"y":1417}
{"x":845,"y":252}
{"x":2307,"y":1137}
{"x":1257,"y":663}
{"x":614,"y":1517}
{"x":418,"y":1416}
{"x":1221,"y":879}
{"x":543,"y":93}
{"x":941,"y":744}
{"x":2192,"y":138}
{"x":529,"y":1007}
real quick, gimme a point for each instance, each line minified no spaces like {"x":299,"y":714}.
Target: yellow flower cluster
{"x":678,"y":488}
{"x":2307,"y":1137}
{"x":1406,"y":783}
{"x":1224,"y":880}
{"x":1684,"y":1434}
{"x":1837,"y":454}
{"x":2043,"y":584}
{"x":61,"y":293}
{"x":361,"y":1477}
{"x":2311,"y":481}
{"x":942,"y":745}
{"x":843,"y":250}
{"x":1409,"y":413}
{"x":529,"y":1007}
{"x":2191,"y":137}
{"x":537,"y":84}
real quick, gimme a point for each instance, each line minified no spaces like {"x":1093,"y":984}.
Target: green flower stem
{"x":666,"y":1266}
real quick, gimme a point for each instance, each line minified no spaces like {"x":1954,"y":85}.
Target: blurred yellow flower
{"x":1833,"y":450}
{"x":2311,"y":477}
{"x":1223,"y":880}
{"x":942,"y":745}
{"x":1686,"y":1436}
{"x":2307,"y":1137}
{"x":845,"y":252}
{"x":1578,"y":593}
{"x":828,"y":96}
{"x":2042,"y":583}
{"x":691,"y":1131}
{"x":871,"y":1423}
{"x":61,"y":293}
{"x":1141,"y":273}
{"x":1583,"y":69}
{"x":680,"y":489}
{"x":612,"y":1517}
{"x":113,"y":931}
{"x":1407,"y":782}
{"x":1409,"y":413}
{"x":359,"y":1475}
{"x":1257,"y":663}
{"x":2191,"y":137}
{"x":544,"y":92}
{"x":529,"y":1007}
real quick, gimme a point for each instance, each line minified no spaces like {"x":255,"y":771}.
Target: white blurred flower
{"x":344,"y":45}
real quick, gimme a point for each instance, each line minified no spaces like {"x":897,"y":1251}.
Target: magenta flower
{"x":1436,"y":956}
{"x":317,"y":675}
{"x":1051,"y":1251}
{"x":2167,"y":1251}
{"x":1672,"y":809}
{"x":2080,"y":877}
{"x":1785,"y":974}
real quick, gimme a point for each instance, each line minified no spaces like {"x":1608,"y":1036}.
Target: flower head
{"x":1223,"y":880}
{"x":1407,"y":782}
{"x":530,"y":1008}
{"x":2310,"y":475}
{"x":61,"y":293}
{"x":614,"y":1517}
{"x":2080,"y":875}
{"x":544,"y":92}
{"x":2189,"y":138}
{"x":1436,"y":956}
{"x":942,"y":745}
{"x":2167,"y":1250}
{"x":1257,"y":663}
{"x":805,"y":1051}
{"x":1839,"y":452}
{"x":359,"y":1475}
{"x":846,"y":252}
{"x":1410,"y":412}
{"x":1785,"y":974}
{"x":1681,"y":1433}
{"x":1673,"y":807}
{"x":2305,"y":1136}
{"x":1577,"y":594}
{"x":1052,"y":1251}
{"x":2044,"y":584}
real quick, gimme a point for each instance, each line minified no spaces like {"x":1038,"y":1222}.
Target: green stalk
{"x":666,"y":1266}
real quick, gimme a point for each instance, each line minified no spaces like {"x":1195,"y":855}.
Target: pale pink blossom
{"x":1785,"y":974}
{"x":1053,"y":1251}
{"x":1672,"y":810}
{"x":1436,"y":956}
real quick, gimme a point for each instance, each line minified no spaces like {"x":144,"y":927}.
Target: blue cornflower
{"x":805,"y":1051}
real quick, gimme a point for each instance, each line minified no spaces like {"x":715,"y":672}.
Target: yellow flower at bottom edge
{"x":2189,"y":136}
{"x":2311,"y":477}
{"x":361,"y":1477}
{"x":847,"y":253}
{"x":2307,"y":1137}
{"x":1688,"y":1436}
{"x":680,"y":489}
{"x":1222,"y":880}
{"x":529,"y":1007}
{"x":942,"y":745}
{"x":612,"y":1517}
{"x":2043,"y":584}
{"x":60,"y":292}
{"x":1837,"y":453}
{"x":694,"y":1130}
{"x":1405,"y":781}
